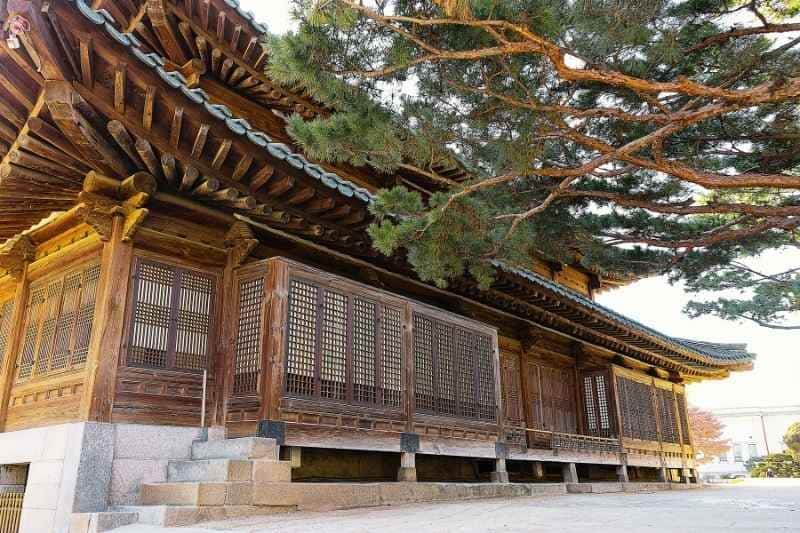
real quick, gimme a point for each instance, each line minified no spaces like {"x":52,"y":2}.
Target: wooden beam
{"x":163,"y":29}
{"x":62,"y":101}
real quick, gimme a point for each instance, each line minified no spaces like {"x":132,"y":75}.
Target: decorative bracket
{"x":15,"y":253}
{"x":104,"y":198}
{"x":240,"y":242}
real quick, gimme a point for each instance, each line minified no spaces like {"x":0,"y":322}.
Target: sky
{"x":658,"y":304}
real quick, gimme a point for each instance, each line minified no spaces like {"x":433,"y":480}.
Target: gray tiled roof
{"x":718,"y":353}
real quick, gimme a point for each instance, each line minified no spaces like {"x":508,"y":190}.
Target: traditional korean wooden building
{"x":171,"y":259}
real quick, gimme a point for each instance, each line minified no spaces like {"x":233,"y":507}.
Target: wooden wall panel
{"x":552,"y":397}
{"x":159,"y":397}
{"x":55,"y":400}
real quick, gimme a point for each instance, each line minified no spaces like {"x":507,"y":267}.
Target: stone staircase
{"x":217,"y":483}
{"x":243,"y":477}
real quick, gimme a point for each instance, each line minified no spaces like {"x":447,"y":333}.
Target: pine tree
{"x":657,"y":136}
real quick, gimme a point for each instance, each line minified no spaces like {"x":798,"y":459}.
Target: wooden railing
{"x":10,"y":512}
{"x":567,"y":441}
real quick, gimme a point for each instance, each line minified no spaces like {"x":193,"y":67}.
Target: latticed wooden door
{"x":597,"y":404}
{"x":10,"y":512}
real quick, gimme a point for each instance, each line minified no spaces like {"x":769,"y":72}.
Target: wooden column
{"x":659,"y":430}
{"x":679,"y":424}
{"x":277,"y":300}
{"x":7,"y":371}
{"x":577,"y":353}
{"x":108,"y":327}
{"x":617,"y":410}
{"x":498,"y":394}
{"x":409,"y":372}
{"x":240,"y":243}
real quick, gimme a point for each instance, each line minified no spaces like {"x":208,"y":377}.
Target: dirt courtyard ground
{"x":762,"y":505}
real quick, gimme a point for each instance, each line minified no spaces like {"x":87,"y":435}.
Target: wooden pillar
{"x":577,"y":353}
{"x":7,"y":371}
{"x":498,"y":394}
{"x":617,"y":408}
{"x":273,"y":363}
{"x":240,"y":243}
{"x":223,"y":363}
{"x":409,"y":376}
{"x":109,"y":324}
{"x":659,"y":429}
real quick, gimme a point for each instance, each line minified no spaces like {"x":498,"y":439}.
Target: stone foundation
{"x":87,"y":467}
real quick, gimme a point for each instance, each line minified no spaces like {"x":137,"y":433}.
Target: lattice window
{"x":58,"y":323}
{"x":392,"y":356}
{"x":66,"y":322}
{"x":424,"y":398}
{"x":446,"y":380}
{"x":364,"y":351}
{"x":454,"y":370}
{"x":684,"y":416}
{"x":33,"y":315}
{"x":171,"y":319}
{"x":666,"y":411}
{"x":596,"y":405}
{"x":602,"y":402}
{"x":638,"y":414}
{"x":247,"y":359}
{"x":301,"y":355}
{"x":334,"y":347}
{"x":48,"y":329}
{"x":154,"y":285}
{"x":193,"y":321}
{"x":343,"y":347}
{"x":85,"y":315}
{"x":6,"y":316}
{"x":592,"y":422}
{"x":486,"y":378}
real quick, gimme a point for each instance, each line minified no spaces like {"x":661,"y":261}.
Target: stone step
{"x":210,"y":470}
{"x":202,"y":470}
{"x":244,"y":448}
{"x":331,"y":496}
{"x":272,"y":471}
{"x":197,"y":493}
{"x":188,"y":515}
{"x":101,"y":522}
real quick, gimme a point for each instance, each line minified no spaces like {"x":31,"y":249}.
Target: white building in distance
{"x":753,"y":432}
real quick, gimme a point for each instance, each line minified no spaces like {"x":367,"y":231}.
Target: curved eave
{"x":689,"y":353}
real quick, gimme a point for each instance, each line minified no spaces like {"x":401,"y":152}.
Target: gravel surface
{"x":757,"y":505}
